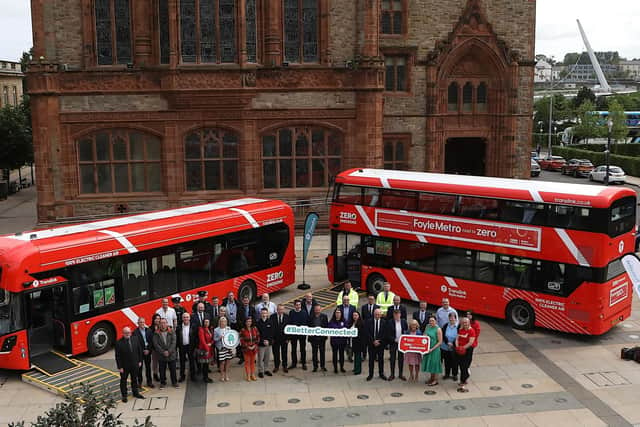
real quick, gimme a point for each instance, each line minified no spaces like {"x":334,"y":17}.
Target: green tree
{"x":561,"y":111}
{"x":587,"y":126}
{"x":584,"y":94}
{"x":571,"y":58}
{"x":619,"y":131}
{"x":16,"y":146}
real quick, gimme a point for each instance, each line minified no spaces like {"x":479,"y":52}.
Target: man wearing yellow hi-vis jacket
{"x":385,"y":298}
{"x":349,"y":292}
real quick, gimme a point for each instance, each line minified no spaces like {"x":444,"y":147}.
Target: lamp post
{"x":607,"y":152}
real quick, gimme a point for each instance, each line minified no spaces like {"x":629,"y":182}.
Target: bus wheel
{"x":100,"y":338}
{"x":375,"y":283}
{"x":247,"y":289}
{"x":521,"y":315}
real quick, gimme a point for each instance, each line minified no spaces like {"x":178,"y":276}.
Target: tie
{"x":201,"y":319}
{"x":422,"y":317}
{"x":279,"y":320}
{"x":375,"y":335}
{"x":215,"y":312}
{"x":130,"y":347}
{"x":386,"y":295}
{"x":370,"y":309}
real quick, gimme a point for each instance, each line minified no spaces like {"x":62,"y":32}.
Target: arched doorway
{"x":465,"y":156}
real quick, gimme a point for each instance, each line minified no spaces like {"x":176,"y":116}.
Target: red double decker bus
{"x":537,"y":253}
{"x":74,"y":288}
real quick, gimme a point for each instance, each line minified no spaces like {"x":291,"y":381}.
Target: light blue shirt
{"x":451,"y":334}
{"x":442,"y":315}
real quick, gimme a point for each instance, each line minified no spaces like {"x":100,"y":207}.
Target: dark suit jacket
{"x":323,"y":321}
{"x":403,"y":312}
{"x":365,"y":313}
{"x":149,"y":335}
{"x":278,"y":328}
{"x":304,"y":306}
{"x":195,"y":319}
{"x":241,"y":316}
{"x":128,"y":358}
{"x":391,"y":330}
{"x":416,"y":316}
{"x":382,"y":332}
{"x":347,"y":316}
{"x":193,"y":335}
{"x":207,"y":306}
{"x":266,"y":330}
{"x":298,"y":318}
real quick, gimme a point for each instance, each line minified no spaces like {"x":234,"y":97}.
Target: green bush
{"x":632,"y":150}
{"x":631,"y":165}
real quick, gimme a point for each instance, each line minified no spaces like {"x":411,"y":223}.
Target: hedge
{"x":631,"y":165}
{"x":621,"y":149}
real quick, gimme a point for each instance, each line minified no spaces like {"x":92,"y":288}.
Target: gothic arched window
{"x":452,"y":97}
{"x":113,"y":31}
{"x":301,"y":28}
{"x":211,"y":157}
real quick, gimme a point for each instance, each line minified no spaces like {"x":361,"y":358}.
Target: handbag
{"x":461,"y":350}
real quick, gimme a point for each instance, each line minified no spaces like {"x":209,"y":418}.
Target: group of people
{"x":197,"y":339}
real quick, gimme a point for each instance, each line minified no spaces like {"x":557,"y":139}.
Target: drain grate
{"x":607,"y":378}
{"x":151,"y":404}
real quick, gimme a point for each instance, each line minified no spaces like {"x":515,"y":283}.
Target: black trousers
{"x":279,"y":350}
{"x":396,"y":354}
{"x":162,"y":364}
{"x":186,"y":352}
{"x":317,"y":352}
{"x":302,"y":341}
{"x":146,"y":365}
{"x":450,"y":363}
{"x":464,"y":361}
{"x":133,"y":373}
{"x":376,"y":353}
{"x":337,"y":353}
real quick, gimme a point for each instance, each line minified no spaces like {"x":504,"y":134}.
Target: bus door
{"x":47,"y":320}
{"x":347,"y":249}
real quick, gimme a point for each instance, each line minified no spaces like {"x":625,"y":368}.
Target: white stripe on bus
{"x":571,"y":246}
{"x":130,"y":314}
{"x":120,"y":238}
{"x":405,"y":283}
{"x":367,"y":221}
{"x":247,"y":216}
{"x":451,"y":282}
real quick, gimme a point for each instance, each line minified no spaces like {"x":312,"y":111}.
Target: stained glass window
{"x":395,"y":73}
{"x":208,"y":31}
{"x":251,"y":33}
{"x":163,"y":24}
{"x":452,"y":97}
{"x":113,"y":31}
{"x":301,"y":30}
{"x":211,"y":157}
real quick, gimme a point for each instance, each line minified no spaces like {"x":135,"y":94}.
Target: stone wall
{"x":342,"y":31}
{"x":104,"y":103}
{"x":67,"y":23}
{"x":288,"y":100}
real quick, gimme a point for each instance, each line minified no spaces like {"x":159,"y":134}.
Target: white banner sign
{"x":320,"y":332}
{"x":631,"y":263}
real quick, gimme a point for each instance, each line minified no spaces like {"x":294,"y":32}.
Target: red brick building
{"x":148,"y":104}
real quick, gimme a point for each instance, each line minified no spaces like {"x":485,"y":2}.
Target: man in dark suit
{"x":367,"y":309}
{"x":298,"y":317}
{"x":280,"y":339}
{"x":144,"y":336}
{"x":397,"y":306}
{"x":128,"y":360}
{"x":347,"y":309}
{"x":198,"y":316}
{"x":376,"y":333}
{"x":422,"y":315}
{"x":245,"y":309}
{"x":318,"y":343}
{"x":187,"y":338}
{"x":395,"y":328}
{"x":308,"y":304}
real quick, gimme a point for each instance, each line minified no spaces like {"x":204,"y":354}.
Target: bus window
{"x":349,"y":194}
{"x":92,"y":296}
{"x":522,"y":212}
{"x":515,"y":272}
{"x":614,"y":269}
{"x":444,"y":204}
{"x":275,"y":239}
{"x":135,"y":282}
{"x":485,"y":268}
{"x":371,"y":197}
{"x":163,"y":268}
{"x":194,"y":265}
{"x":415,"y":255}
{"x":478,"y":207}
{"x":456,"y":262}
{"x":623,"y":216}
{"x":11,"y":315}
{"x":405,"y":200}
{"x":378,"y":252}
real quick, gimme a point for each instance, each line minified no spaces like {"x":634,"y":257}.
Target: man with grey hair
{"x":128,"y":360}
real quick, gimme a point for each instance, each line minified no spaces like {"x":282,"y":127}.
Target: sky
{"x":609,"y":26}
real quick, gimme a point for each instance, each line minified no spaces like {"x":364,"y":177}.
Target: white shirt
{"x":185,"y":334}
{"x":442,"y":316}
{"x":398,"y":330}
{"x":170,"y":315}
{"x":271,"y":307}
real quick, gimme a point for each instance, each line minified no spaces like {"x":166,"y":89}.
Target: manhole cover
{"x":424,"y":410}
{"x":294,"y":400}
{"x":494,"y":405}
{"x":430,"y":392}
{"x":279,"y":420}
{"x":258,"y":403}
{"x":561,"y":400}
{"x":316,"y":417}
{"x":328,"y":398}
{"x":396,"y":394}
{"x":460,"y":407}
{"x":363,"y":396}
{"x":527,"y":385}
{"x":353,"y":414}
{"x":388,"y":413}
{"x":495,"y":388}
{"x":242,"y":421}
{"x":528,"y":402}
{"x":223,"y":404}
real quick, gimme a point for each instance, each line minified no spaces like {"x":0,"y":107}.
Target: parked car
{"x":553,"y":163}
{"x":577,"y":167}
{"x":616,"y":174}
{"x":535,"y":168}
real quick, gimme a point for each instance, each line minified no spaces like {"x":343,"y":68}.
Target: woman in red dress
{"x":249,"y":339}
{"x":205,"y":349}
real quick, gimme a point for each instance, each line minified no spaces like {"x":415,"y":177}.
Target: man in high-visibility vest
{"x":350,"y":292}
{"x":385,"y":298}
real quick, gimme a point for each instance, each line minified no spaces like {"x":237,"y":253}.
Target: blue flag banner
{"x":309,"y":228}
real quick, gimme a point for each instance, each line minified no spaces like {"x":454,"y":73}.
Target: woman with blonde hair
{"x":413,"y":359}
{"x":224,"y":354}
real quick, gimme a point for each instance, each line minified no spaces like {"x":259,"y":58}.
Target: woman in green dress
{"x":431,"y":361}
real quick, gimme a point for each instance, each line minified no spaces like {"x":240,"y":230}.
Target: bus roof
{"x":75,"y":244}
{"x":482,"y":186}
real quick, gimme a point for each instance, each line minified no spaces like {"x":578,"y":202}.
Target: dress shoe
{"x":304,"y":367}
{"x":275,"y":370}
{"x":315,"y":369}
{"x":208,"y":380}
{"x":370,"y":377}
{"x":335,"y":370}
{"x":260,"y":375}
{"x":391,"y":378}
{"x":342,"y":370}
{"x":150,"y":385}
{"x":292,"y":366}
{"x":176,"y":385}
{"x":139,"y":396}
{"x":269,"y":374}
{"x":124,"y":399}
{"x":285,"y":370}
{"x":402,"y":377}
{"x":181,"y":379}
{"x":324,"y":369}
{"x":383,"y":377}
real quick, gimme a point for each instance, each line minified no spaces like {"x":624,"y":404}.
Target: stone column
{"x":249,"y":165}
{"x":273,"y":33}
{"x":174,"y":28}
{"x":143,"y":13}
{"x":172,"y":166}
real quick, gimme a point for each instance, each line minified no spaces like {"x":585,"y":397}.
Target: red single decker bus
{"x":74,"y":288}
{"x":536,"y":253}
